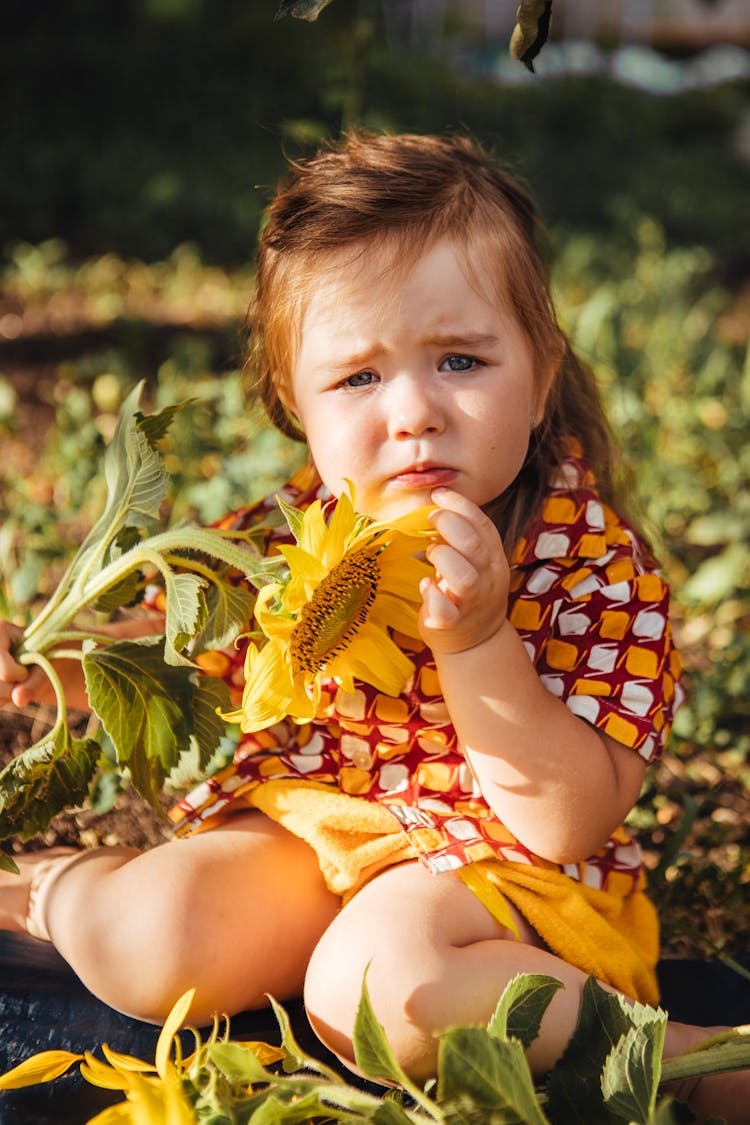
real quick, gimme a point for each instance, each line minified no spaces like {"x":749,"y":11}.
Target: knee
{"x":138,"y":943}
{"x":333,"y":992}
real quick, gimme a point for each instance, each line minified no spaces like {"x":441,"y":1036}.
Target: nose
{"x":414,"y":408}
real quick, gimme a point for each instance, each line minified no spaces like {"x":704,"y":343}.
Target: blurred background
{"x":139,"y":144}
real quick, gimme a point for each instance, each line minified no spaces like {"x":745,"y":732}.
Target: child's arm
{"x":558,"y":784}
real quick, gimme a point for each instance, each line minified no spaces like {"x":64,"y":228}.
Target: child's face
{"x":408,"y":380}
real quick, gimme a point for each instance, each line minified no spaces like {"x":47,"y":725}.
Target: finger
{"x":31,"y":687}
{"x":462,"y":523}
{"x":447,"y":500}
{"x":457,"y":576}
{"x":12,"y":674}
{"x":10,"y":670}
{"x":460,"y":534}
{"x":438,"y":611}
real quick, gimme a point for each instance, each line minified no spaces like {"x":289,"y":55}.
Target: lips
{"x":425,"y":476}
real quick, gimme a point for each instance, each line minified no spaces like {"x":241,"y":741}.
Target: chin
{"x":394,"y":507}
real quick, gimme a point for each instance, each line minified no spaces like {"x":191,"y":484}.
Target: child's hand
{"x":21,"y":685}
{"x":18,"y":684}
{"x":467,"y":602}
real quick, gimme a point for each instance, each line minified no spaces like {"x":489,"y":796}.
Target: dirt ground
{"x":130,"y":821}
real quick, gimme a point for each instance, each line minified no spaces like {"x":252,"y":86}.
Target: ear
{"x":285,"y":395}
{"x":287,"y":401}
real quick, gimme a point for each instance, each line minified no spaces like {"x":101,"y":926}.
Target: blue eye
{"x":460,"y":363}
{"x":361,"y":379}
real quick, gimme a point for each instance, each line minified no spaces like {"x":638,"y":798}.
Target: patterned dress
{"x":592,"y":611}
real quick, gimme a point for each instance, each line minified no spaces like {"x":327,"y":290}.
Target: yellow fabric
{"x":612,"y":934}
{"x":353,"y":839}
{"x":480,"y":884}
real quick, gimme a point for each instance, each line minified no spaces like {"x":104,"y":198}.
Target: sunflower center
{"x":338,"y":608}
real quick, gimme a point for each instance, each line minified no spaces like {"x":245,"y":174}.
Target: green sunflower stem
{"x":41,"y":661}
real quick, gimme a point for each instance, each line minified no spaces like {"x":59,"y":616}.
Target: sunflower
{"x":350,"y":582}
{"x":160,"y":1093}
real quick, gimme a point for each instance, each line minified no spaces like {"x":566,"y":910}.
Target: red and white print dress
{"x":593,"y":614}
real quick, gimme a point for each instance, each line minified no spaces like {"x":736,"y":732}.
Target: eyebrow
{"x":464,"y":340}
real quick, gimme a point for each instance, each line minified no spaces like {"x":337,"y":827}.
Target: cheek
{"x":336,"y":453}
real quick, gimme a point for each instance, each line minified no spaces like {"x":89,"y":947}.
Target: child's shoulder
{"x":573,"y":522}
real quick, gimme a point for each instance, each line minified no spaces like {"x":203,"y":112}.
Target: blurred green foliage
{"x":137,"y":126}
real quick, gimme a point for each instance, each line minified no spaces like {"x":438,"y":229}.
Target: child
{"x":469,"y":829}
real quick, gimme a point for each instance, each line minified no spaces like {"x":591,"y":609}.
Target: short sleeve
{"x":606,"y":645}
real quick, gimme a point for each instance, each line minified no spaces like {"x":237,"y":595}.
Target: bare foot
{"x":20,"y":893}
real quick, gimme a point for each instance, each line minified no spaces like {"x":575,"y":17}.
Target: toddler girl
{"x":470,"y":828}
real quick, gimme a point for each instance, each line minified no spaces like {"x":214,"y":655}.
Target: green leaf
{"x":279,"y":1109}
{"x":141,"y":701}
{"x":630,"y":1078}
{"x":136,"y":479}
{"x":137,"y":483}
{"x":391,"y":1113}
{"x":574,"y":1084}
{"x":230,"y":608}
{"x":124,"y":593}
{"x":372,"y":1051}
{"x":107,"y":787}
{"x":301,"y":9}
{"x":7,"y":863}
{"x":151,"y":710}
{"x":492,"y":1074}
{"x":239,"y":1064}
{"x":155,"y":426}
{"x":293,"y":517}
{"x":210,"y":695}
{"x":186,"y":613}
{"x":521,"y":1007}
{"x":295,"y":1058}
{"x":43,"y":781}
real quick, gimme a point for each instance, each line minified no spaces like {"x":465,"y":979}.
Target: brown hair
{"x":404,"y":192}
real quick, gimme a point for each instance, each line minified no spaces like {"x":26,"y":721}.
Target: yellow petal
{"x":395,"y":613}
{"x":43,"y":1067}
{"x":303,"y":706}
{"x":416,"y":523}
{"x":157,"y":1102}
{"x":303,"y":565}
{"x":268,"y":689}
{"x":120,"y":1114}
{"x":339,"y":530}
{"x":125,"y":1062}
{"x":264,"y":1052}
{"x":376,"y":659}
{"x":271,"y":622}
{"x":99,"y":1074}
{"x":172,"y":1025}
{"x":313,"y":531}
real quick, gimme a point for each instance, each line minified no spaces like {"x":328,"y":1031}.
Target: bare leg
{"x":234,"y":912}
{"x":437,"y":958}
